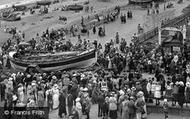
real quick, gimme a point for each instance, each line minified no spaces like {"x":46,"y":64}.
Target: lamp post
{"x":159,"y":34}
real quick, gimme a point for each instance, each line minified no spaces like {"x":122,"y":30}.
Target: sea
{"x":9,"y":3}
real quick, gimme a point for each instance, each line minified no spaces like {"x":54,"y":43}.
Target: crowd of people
{"x":117,"y":85}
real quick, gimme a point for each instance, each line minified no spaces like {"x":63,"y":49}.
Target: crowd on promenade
{"x":117,"y":86}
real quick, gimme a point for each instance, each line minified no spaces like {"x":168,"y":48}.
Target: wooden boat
{"x":54,"y":62}
{"x":43,"y":3}
{"x":139,"y":1}
{"x":10,"y":17}
{"x":19,"y":8}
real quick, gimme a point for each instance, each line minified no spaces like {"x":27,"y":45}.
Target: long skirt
{"x":79,"y":113}
{"x":113,"y":114}
{"x":125,"y":114}
{"x":55,"y":101}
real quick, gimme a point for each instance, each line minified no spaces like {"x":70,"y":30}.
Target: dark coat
{"x":100,"y":100}
{"x":62,"y":104}
{"x":131,"y":107}
{"x":70,"y":100}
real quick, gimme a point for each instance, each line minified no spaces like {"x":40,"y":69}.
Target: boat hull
{"x":81,"y":61}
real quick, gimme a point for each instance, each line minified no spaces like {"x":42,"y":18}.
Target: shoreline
{"x":23,"y":2}
{"x":33,"y":2}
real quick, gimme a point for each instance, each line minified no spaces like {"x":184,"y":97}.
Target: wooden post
{"x":159,"y":35}
{"x":184,"y":33}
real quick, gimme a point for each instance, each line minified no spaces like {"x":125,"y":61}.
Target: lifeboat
{"x":54,"y":62}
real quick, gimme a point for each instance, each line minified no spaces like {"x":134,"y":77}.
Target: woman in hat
{"x":112,"y":107}
{"x":125,"y":109}
{"x":131,"y":106}
{"x":157,"y":93}
{"x":40,"y":98}
{"x":55,"y":96}
{"x":140,"y":105}
{"x":175,"y":90}
{"x":181,"y":92}
{"x":62,"y":105}
{"x":105,"y":108}
{"x":20,"y":91}
{"x":79,"y":107}
{"x":187,"y":93}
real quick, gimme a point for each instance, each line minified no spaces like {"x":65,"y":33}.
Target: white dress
{"x":55,"y":98}
{"x":21,"y":94}
{"x":79,"y":109}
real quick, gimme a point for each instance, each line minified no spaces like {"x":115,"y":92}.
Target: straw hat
{"x":133,"y":88}
{"x":107,"y":99}
{"x":54,"y":77}
{"x":171,"y":83}
{"x":181,"y":83}
{"x":10,"y":79}
{"x":13,"y":75}
{"x":85,"y":95}
{"x":140,"y":94}
{"x":55,"y":86}
{"x":77,"y":100}
{"x":28,"y":76}
{"x":14,"y":98}
{"x":85,"y":89}
{"x":165,"y":100}
{"x":132,"y":97}
{"x":176,"y":83}
{"x":188,"y":84}
{"x":33,"y":83}
{"x":121,"y":92}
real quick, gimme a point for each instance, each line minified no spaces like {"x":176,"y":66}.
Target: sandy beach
{"x":36,"y":23}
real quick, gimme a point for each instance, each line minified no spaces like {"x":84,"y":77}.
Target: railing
{"x":154,"y":32}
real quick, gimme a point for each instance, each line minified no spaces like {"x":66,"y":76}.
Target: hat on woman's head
{"x":133,"y":88}
{"x":181,"y":83}
{"x":140,"y":94}
{"x":28,"y":75}
{"x":121,"y":92}
{"x":165,"y":100}
{"x":54,"y":77}
{"x":176,"y":83}
{"x":188,"y":84}
{"x":77,"y":99}
{"x":85,"y":89}
{"x":55,"y":86}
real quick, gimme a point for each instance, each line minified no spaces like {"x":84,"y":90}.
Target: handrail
{"x":152,"y":33}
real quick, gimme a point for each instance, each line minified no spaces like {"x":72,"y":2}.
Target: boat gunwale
{"x":28,"y":62}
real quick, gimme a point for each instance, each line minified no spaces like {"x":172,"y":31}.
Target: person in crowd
{"x":181,"y":96}
{"x":105,"y":108}
{"x":165,"y":108}
{"x":62,"y":105}
{"x":157,"y":93}
{"x":56,"y":98}
{"x":112,"y":107}
{"x":125,"y":108}
{"x":139,"y":104}
{"x":187,"y":93}
{"x":87,"y":106}
{"x":79,"y":107}
{"x":70,"y":103}
{"x":100,"y":101}
{"x":131,"y":107}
